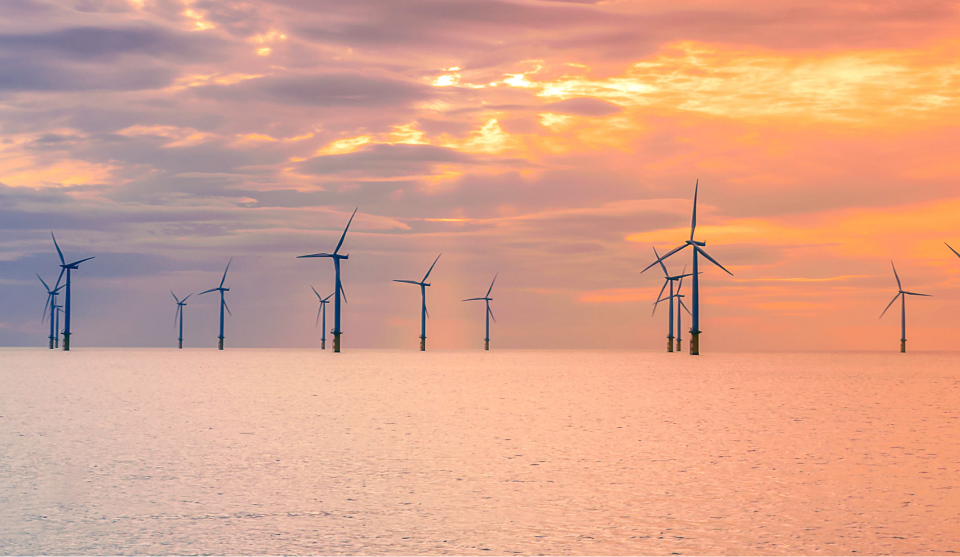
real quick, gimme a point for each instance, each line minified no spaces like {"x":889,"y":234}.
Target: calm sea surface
{"x":535,"y":452}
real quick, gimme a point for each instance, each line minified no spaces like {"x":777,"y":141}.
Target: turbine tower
{"x":489,"y":314}
{"x":223,"y":302}
{"x":902,"y":294}
{"x":323,"y":310}
{"x":423,"y":303}
{"x":697,"y":250}
{"x":667,"y":279}
{"x":180,"y":304}
{"x":52,"y":304}
{"x":64,"y":266}
{"x":338,"y":291}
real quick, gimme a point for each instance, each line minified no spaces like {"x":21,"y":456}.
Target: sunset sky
{"x":554,"y":142}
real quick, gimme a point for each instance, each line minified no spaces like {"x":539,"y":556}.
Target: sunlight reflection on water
{"x":115,"y":451}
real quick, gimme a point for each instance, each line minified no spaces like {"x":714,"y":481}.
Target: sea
{"x":398,"y":452}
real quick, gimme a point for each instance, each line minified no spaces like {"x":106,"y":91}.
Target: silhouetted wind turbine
{"x":180,"y":304}
{"x":323,"y":310}
{"x":52,"y":304}
{"x":489,"y":314}
{"x":338,"y":291}
{"x":667,"y":279}
{"x":423,"y":299}
{"x":697,"y":249}
{"x":64,"y":266}
{"x":223,"y":302}
{"x":902,"y":294}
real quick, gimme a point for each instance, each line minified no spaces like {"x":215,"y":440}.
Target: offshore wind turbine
{"x":64,"y":266}
{"x":223,"y":302}
{"x":423,"y":303}
{"x":52,"y":304}
{"x":902,"y":294}
{"x":338,"y":291}
{"x":180,"y":304}
{"x":697,"y":250}
{"x":323,"y":310}
{"x":667,"y":279}
{"x":489,"y":314}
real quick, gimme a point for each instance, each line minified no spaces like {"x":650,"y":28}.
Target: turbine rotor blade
{"x":81,"y":261}
{"x":406,"y":281}
{"x":176,"y":315}
{"x":693,"y":223}
{"x":56,"y":245}
{"x":315,"y":255}
{"x":431,"y":268}
{"x":315,"y":292}
{"x":660,"y":261}
{"x":340,"y":243}
{"x":43,"y":316}
{"x":890,"y":304}
{"x":226,"y":307}
{"x":712,"y":260}
{"x":951,"y":249}
{"x":318,"y":315}
{"x":185,"y":299}
{"x":330,"y":296}
{"x":175,"y":296}
{"x":62,"y":270}
{"x":899,"y":287}
{"x":916,"y":294}
{"x":668,"y":254}
{"x":44,"y":283}
{"x":490,"y":311}
{"x":208,"y":291}
{"x":472,"y":299}
{"x":489,"y":290}
{"x":684,"y":306}
{"x":662,"y":288}
{"x":225,"y":272}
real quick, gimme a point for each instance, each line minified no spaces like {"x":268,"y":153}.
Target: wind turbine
{"x":339,"y":287}
{"x":902,"y":294}
{"x":697,"y":249}
{"x":423,"y":303}
{"x":667,"y":279}
{"x":489,"y":314}
{"x":323,"y":310}
{"x":180,"y":304}
{"x":64,"y":266}
{"x":52,"y":304}
{"x":223,"y":303}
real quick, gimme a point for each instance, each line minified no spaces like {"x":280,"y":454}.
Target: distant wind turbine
{"x":223,"y":302}
{"x":322,"y":310}
{"x":667,"y":279}
{"x":64,"y":266}
{"x":338,"y":291}
{"x":683,"y":306}
{"x":902,"y":294}
{"x":56,"y":339}
{"x":180,"y":304}
{"x":697,"y":250}
{"x":52,"y":304}
{"x":489,"y":314}
{"x":423,"y":303}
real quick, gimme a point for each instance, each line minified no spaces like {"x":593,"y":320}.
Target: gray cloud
{"x":324,"y":90}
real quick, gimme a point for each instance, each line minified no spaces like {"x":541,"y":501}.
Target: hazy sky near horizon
{"x":553,"y":142}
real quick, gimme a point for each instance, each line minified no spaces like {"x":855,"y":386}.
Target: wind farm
{"x":667,"y":280}
{"x":902,"y":295}
{"x":223,"y":301}
{"x":424,"y":314}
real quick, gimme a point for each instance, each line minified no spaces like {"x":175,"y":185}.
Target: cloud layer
{"x":553,"y":142}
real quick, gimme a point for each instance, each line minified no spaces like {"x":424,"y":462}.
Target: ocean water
{"x":117,"y":451}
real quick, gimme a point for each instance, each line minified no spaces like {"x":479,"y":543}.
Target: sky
{"x":552,"y":142}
